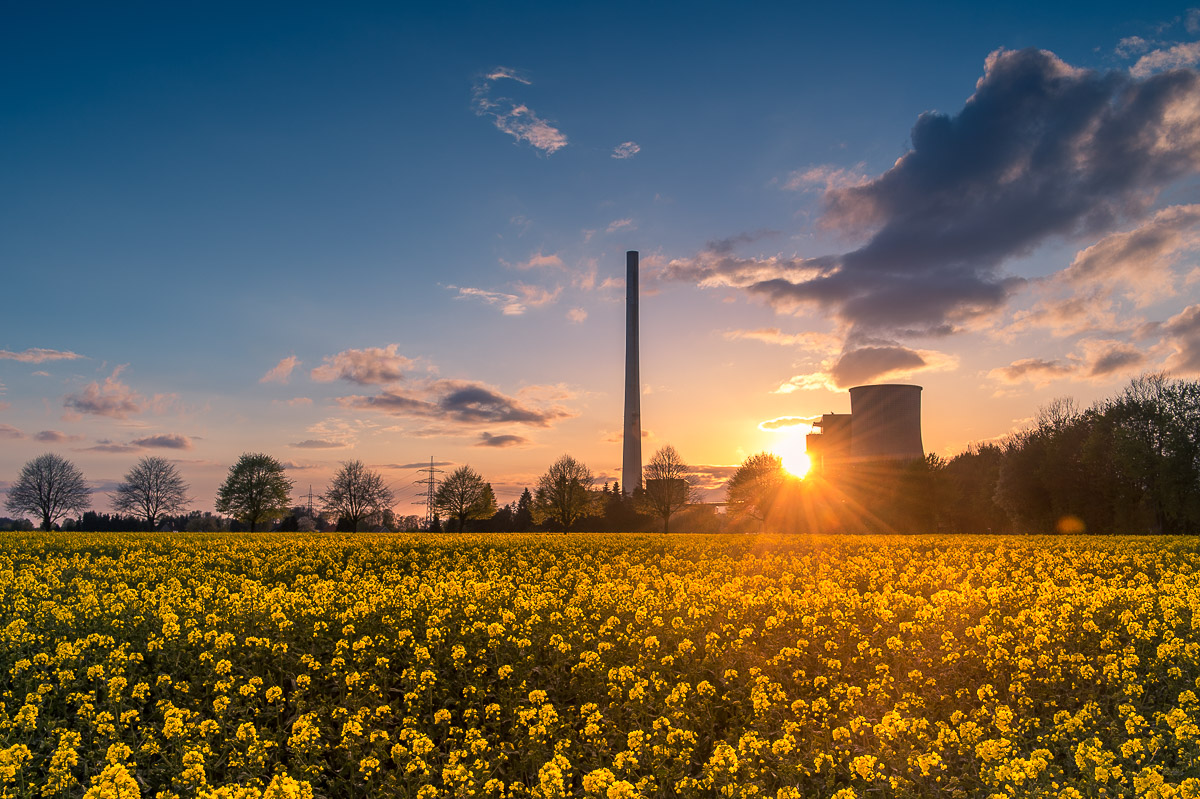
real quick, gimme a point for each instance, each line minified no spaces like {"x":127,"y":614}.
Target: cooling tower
{"x":631,"y":461}
{"x":886,"y":422}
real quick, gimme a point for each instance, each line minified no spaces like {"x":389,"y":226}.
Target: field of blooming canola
{"x":592,"y":666}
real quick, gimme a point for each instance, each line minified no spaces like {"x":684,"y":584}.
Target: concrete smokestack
{"x":631,"y":462}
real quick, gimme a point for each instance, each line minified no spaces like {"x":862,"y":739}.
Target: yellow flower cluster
{"x":294,"y":666}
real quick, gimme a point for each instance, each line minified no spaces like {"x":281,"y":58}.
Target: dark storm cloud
{"x":1040,"y":150}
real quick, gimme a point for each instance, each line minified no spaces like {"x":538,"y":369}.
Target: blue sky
{"x":391,"y":232}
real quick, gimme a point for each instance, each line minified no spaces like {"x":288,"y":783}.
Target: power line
{"x":429,"y":483}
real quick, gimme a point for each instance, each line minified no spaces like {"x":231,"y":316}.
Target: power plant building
{"x":884,"y":423}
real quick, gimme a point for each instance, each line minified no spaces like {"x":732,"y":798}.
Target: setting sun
{"x":797,"y":462}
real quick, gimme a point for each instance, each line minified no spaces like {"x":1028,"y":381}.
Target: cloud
{"x":112,"y":398}
{"x":1191,"y":22}
{"x":462,"y":402}
{"x":1181,"y":55}
{"x":164,"y":441}
{"x":773,"y":335}
{"x":509,"y":304}
{"x":300,"y":466}
{"x":626,"y":150}
{"x":1107,"y":358}
{"x":870,"y":364}
{"x":1040,"y":150}
{"x":621,"y":224}
{"x":540,"y":261}
{"x":515,"y":119}
{"x":786,"y":422}
{"x":502,"y":441}
{"x":1141,"y":258}
{"x":1034,"y":370}
{"x":281,"y":371}
{"x":38,"y":355}
{"x":56,"y":437}
{"x":316,"y":443}
{"x":105,"y":445}
{"x":1183,"y":335}
{"x":537,"y":296}
{"x":295,"y":402}
{"x":1140,"y":263}
{"x":826,"y":177}
{"x":8,"y":431}
{"x":1133,"y":45}
{"x":370,"y":366}
{"x":577,"y":315}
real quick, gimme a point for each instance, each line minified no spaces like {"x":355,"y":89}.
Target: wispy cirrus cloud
{"x":527,"y":297}
{"x":280,"y":372}
{"x":515,"y":119}
{"x":787,"y":422}
{"x":773,"y":335}
{"x":8,"y":431}
{"x":366,"y":367}
{"x":826,"y":178}
{"x":38,"y":355}
{"x":621,"y":224}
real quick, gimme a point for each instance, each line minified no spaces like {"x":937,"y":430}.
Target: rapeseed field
{"x":598,"y":666}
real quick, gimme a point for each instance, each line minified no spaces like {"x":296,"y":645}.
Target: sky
{"x":396,"y":233}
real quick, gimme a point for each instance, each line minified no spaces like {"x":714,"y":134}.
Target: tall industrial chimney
{"x":631,"y":462}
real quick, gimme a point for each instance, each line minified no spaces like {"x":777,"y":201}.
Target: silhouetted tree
{"x":151,"y":490}
{"x":256,"y":490}
{"x":356,"y":494}
{"x":668,"y":485}
{"x":49,"y":486}
{"x":754,"y":488}
{"x":464,"y":495}
{"x":523,"y":517}
{"x":564,"y":493}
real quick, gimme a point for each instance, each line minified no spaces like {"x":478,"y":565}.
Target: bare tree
{"x":151,"y":490}
{"x":564,"y":493}
{"x":756,"y":484}
{"x":465,"y":495}
{"x":51,"y":487}
{"x":668,"y":485}
{"x":356,"y":494}
{"x":256,"y":490}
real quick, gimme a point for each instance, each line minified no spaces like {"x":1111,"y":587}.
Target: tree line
{"x":256,"y":495}
{"x":1128,"y":464}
